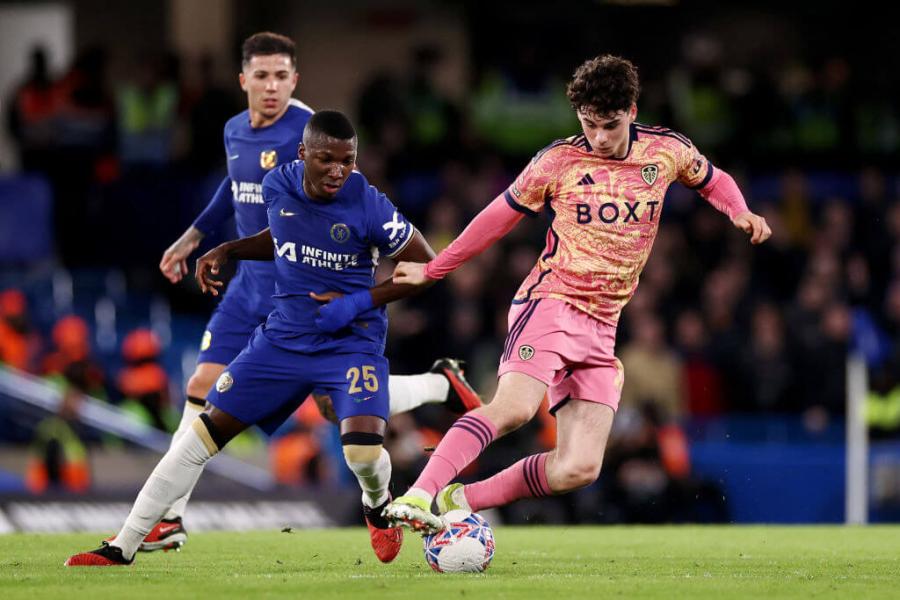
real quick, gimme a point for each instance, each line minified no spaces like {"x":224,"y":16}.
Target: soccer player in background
{"x":603,"y":190}
{"x":326,"y":331}
{"x":256,"y":141}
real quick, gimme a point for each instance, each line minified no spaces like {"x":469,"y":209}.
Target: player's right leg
{"x":170,"y":533}
{"x":517,"y":400}
{"x":225,"y":336}
{"x":172,"y":478}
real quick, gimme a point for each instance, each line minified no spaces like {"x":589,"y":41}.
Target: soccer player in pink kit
{"x":604,"y":190}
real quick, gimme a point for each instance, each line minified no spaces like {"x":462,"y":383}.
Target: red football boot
{"x":104,"y":556}
{"x":462,"y":397}
{"x":386,"y":540}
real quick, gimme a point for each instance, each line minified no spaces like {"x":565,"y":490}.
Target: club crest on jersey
{"x":526,"y":352}
{"x":268,"y":159}
{"x":224,"y":383}
{"x":206,"y":341}
{"x":649,"y":174}
{"x":340,"y":233}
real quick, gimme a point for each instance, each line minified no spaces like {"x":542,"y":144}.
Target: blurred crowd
{"x":717,"y":327}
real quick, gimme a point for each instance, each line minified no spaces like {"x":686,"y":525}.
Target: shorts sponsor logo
{"x":206,"y":341}
{"x":224,"y":383}
{"x":526,"y":352}
{"x":268,"y":159}
{"x":649,"y":174}
{"x":340,"y":233}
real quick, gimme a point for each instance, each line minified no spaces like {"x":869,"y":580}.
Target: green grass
{"x":531,"y":562}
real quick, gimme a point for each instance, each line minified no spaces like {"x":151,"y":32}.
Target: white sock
{"x":374,"y":478}
{"x":173,"y":477}
{"x":191,"y":411}
{"x":412,"y":391}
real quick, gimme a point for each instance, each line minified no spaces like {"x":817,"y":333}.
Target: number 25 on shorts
{"x":369,"y":379}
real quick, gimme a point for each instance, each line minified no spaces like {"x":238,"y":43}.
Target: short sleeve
{"x":694,"y":170}
{"x":389,"y":230}
{"x":533,"y":187}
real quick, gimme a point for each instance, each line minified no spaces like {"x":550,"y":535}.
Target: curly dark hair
{"x":604,"y":85}
{"x":265,"y":43}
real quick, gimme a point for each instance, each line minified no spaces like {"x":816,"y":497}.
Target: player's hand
{"x":754,"y":225}
{"x":411,"y":273}
{"x":209,"y":265}
{"x":174,"y":260}
{"x":339,"y":311}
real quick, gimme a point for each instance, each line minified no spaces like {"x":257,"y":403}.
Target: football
{"x":465,"y":545}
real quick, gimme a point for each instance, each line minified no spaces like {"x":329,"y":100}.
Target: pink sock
{"x":462,"y":444}
{"x":525,"y":479}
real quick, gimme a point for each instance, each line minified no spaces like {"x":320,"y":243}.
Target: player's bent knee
{"x":362,"y":456}
{"x":582,"y":475}
{"x":362,"y":448}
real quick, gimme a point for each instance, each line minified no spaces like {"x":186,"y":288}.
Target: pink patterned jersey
{"x":605,"y":215}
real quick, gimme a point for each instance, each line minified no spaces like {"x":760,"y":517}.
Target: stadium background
{"x":735,"y":393}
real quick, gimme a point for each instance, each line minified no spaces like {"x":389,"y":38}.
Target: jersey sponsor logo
{"x":340,"y":233}
{"x":247,"y":192}
{"x":316,"y":257}
{"x":224,"y":383}
{"x":284,"y":213}
{"x":395,"y":226}
{"x":610,"y":212}
{"x":649,"y":173}
{"x":526,"y":352}
{"x":206,"y":341}
{"x":287,"y":250}
{"x":268,"y":159}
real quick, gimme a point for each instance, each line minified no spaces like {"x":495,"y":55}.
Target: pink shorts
{"x":569,"y":350}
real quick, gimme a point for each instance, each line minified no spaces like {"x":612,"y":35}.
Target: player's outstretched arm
{"x":254,"y":247}
{"x":339,"y":310}
{"x":488,"y":226}
{"x":174,"y":260}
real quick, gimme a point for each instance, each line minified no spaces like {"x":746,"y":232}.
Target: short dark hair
{"x":266,"y":43}
{"x":604,"y":85}
{"x":329,"y":123}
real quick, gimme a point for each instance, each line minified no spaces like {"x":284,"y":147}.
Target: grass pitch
{"x":530,"y":562}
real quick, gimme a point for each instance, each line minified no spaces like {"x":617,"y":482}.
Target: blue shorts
{"x":226,"y":335}
{"x":265,"y":384}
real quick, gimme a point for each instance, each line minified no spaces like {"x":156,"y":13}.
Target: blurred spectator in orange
{"x":72,"y":358}
{"x":19,"y":343}
{"x":143,"y":380}
{"x":31,"y":111}
{"x":57,"y":456}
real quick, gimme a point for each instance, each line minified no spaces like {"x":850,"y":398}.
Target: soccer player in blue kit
{"x":256,"y":141}
{"x":327,"y":331}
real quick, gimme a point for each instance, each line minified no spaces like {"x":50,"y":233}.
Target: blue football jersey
{"x":323,"y":246}
{"x":251,"y":154}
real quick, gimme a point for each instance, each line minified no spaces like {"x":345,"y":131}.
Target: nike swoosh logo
{"x":164,"y":529}
{"x":235,"y":157}
{"x":285,"y":213}
{"x":358,"y":400}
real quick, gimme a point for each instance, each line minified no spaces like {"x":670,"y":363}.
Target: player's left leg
{"x":582,"y":432}
{"x":173,"y":477}
{"x":362,"y":438}
{"x":357,"y":385}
